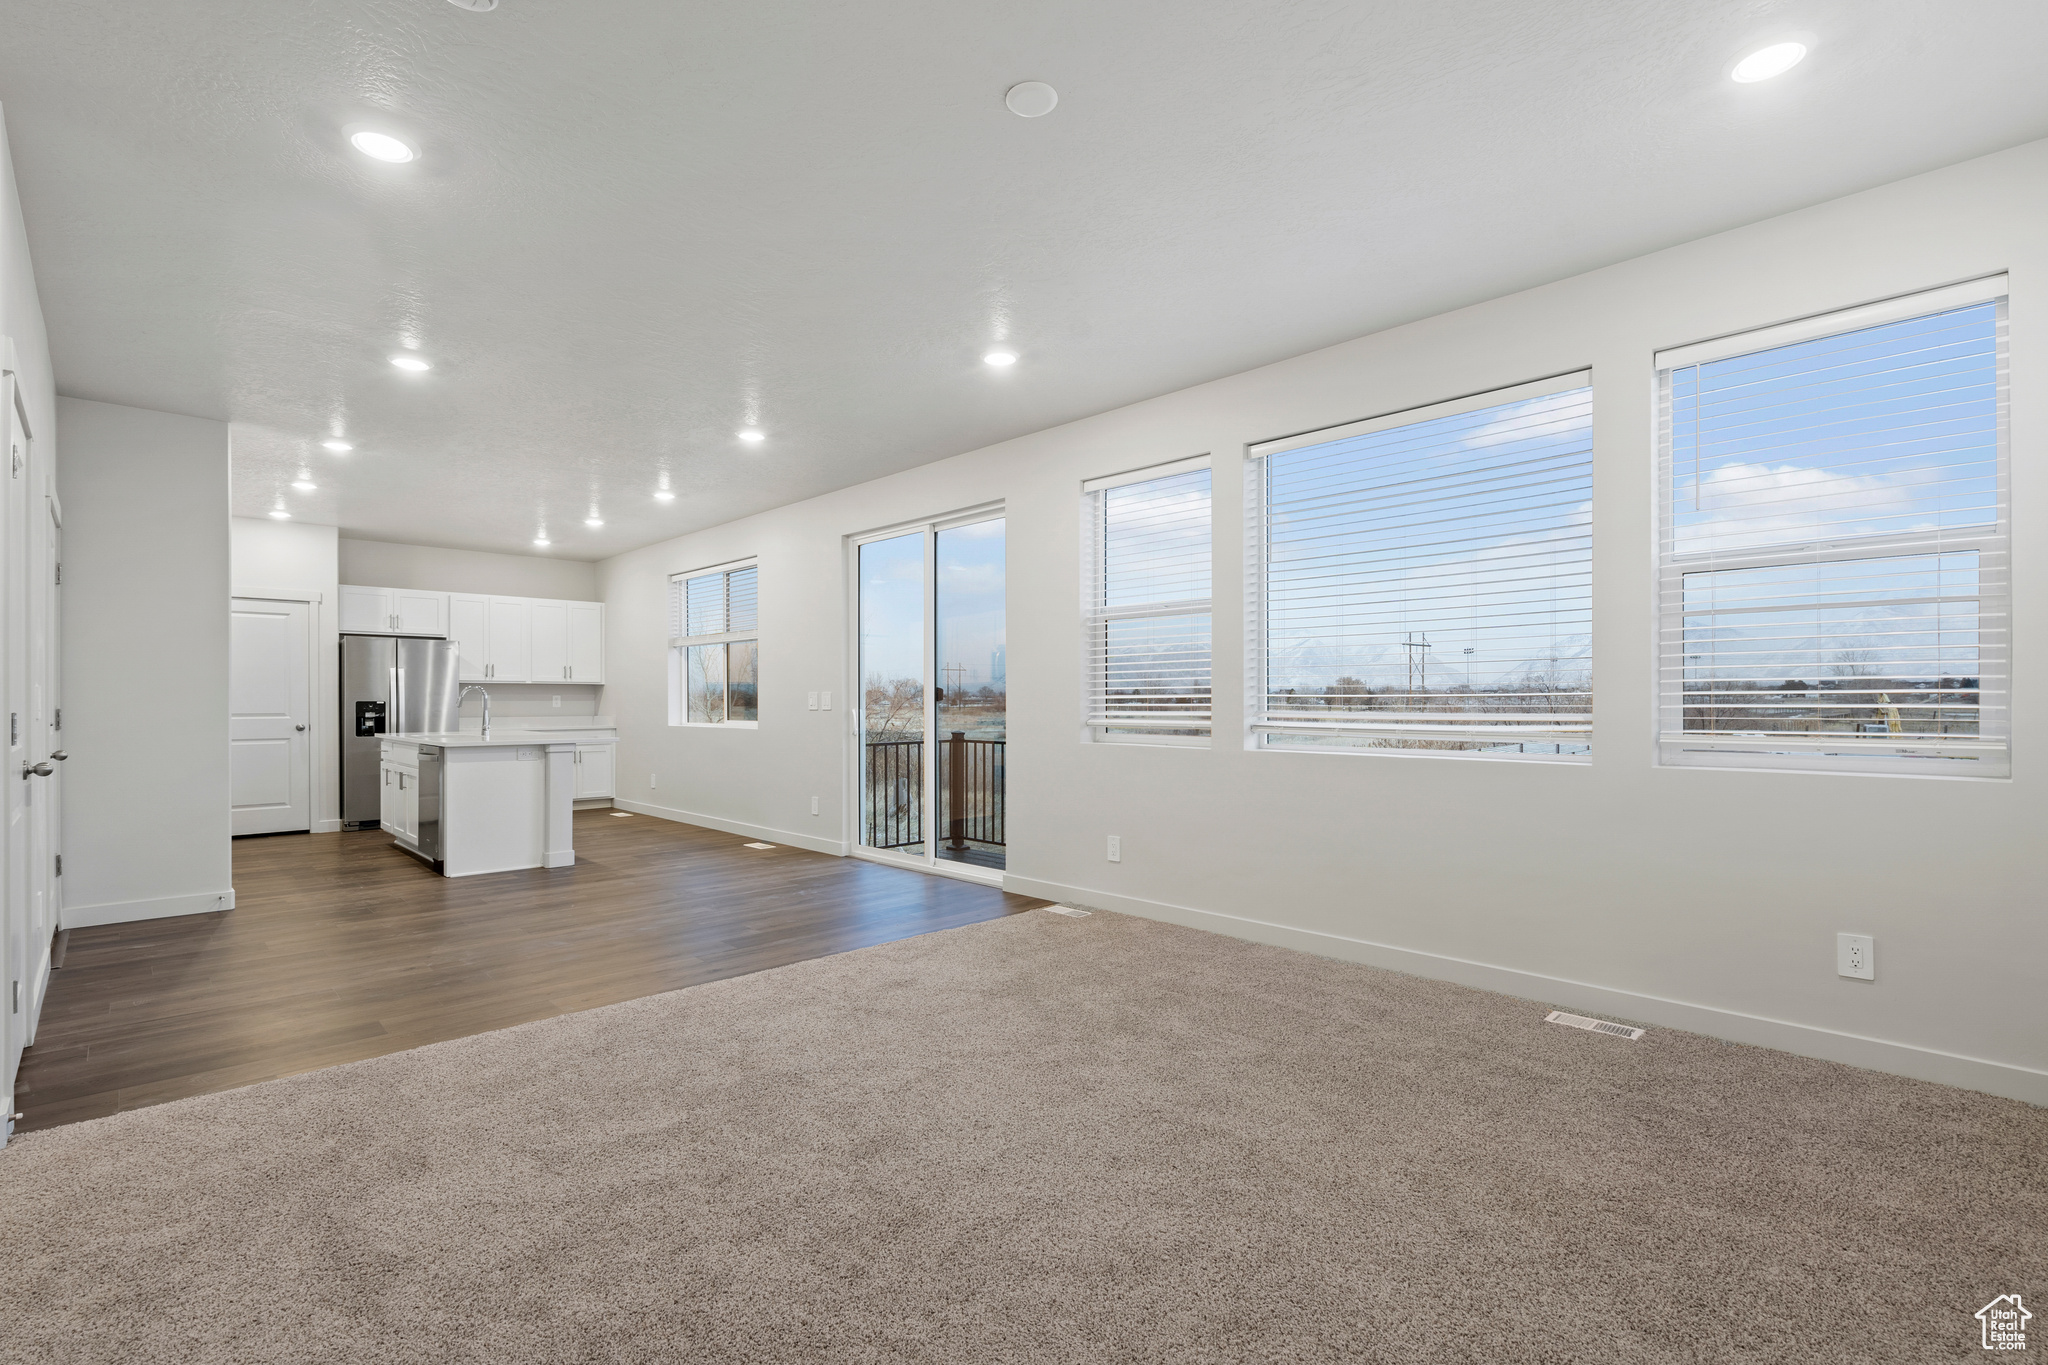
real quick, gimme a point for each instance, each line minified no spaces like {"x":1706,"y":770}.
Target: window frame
{"x":1258,"y":729}
{"x":1673,"y":746}
{"x":1096,"y":617}
{"x":679,"y":645}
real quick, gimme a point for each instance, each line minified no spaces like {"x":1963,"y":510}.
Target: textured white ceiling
{"x":638,"y":225}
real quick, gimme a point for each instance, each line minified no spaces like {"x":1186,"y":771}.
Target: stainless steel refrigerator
{"x":390,"y":684}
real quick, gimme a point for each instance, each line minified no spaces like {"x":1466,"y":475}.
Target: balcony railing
{"x":970,"y":782}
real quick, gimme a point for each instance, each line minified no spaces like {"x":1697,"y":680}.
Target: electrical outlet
{"x":1856,"y":955}
{"x":814,"y":706}
{"x":814,"y":805}
{"x":1116,"y":848}
{"x":558,"y":701}
{"x":650,"y":781}
{"x":824,"y":701}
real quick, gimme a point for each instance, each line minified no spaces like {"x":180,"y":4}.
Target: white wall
{"x":385,"y":564}
{"x":294,"y":558}
{"x":146,"y":586}
{"x":1704,"y":899}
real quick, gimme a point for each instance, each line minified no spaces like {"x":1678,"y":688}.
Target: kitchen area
{"x":461,"y":724}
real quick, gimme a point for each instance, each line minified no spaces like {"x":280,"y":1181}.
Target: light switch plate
{"x":1856,"y":956}
{"x":824,"y":701}
{"x":814,"y":701}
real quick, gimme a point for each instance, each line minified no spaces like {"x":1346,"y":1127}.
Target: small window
{"x":1422,"y":582}
{"x":715,"y":646}
{"x":1834,"y":574}
{"x":1145,"y":604}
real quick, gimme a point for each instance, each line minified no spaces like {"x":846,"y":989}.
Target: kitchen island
{"x":467,"y":804}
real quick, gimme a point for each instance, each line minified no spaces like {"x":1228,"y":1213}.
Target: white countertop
{"x":504,"y":736}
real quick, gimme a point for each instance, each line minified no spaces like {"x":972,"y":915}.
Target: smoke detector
{"x":1031,"y":99}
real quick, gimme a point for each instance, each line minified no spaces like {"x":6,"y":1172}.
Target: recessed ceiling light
{"x":593,"y":521}
{"x":338,"y":447}
{"x":479,"y":6}
{"x":279,"y":514}
{"x":1002,"y":360}
{"x":305,"y":485}
{"x":1767,"y":62}
{"x":1030,"y":99}
{"x":410,"y":362}
{"x":542,"y":541}
{"x":382,"y":146}
{"x":663,"y":495}
{"x":753,"y":435}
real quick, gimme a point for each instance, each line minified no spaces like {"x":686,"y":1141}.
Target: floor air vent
{"x":1593,"y":1025}
{"x":1069,"y":911}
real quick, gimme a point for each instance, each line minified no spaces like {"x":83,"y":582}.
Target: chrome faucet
{"x":487,"y":707}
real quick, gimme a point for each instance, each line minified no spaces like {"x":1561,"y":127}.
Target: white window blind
{"x":1834,"y":536}
{"x":714,"y":626}
{"x":1145,"y":603}
{"x":1422,"y":581}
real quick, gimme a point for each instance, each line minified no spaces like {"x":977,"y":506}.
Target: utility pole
{"x":1418,"y":660}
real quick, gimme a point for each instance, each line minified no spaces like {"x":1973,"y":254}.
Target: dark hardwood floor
{"x":340,"y":947}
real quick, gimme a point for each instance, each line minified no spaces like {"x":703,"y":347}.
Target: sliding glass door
{"x":933,"y":695}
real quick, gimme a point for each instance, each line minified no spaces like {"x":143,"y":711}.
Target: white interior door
{"x":270,"y":704}
{"x":46,"y":829}
{"x":23,"y":964}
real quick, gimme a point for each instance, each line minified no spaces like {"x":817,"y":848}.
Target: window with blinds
{"x":714,"y":628}
{"x":1422,"y":581}
{"x":1145,"y":604}
{"x":1834,"y":534}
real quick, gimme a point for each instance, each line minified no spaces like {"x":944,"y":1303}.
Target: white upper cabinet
{"x":469,"y":625}
{"x":509,"y":646}
{"x":550,"y":642}
{"x":568,"y":642}
{"x":497,"y":639}
{"x":366,"y":611}
{"x":393,"y":611}
{"x":420,"y":613}
{"x":586,"y":642}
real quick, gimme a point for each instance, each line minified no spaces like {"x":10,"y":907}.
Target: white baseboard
{"x":1806,"y":1040}
{"x":767,"y":835}
{"x":327,"y":826}
{"x":159,"y":907}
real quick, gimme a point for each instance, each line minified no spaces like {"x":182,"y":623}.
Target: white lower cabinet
{"x":595,"y":771}
{"x":399,"y":809}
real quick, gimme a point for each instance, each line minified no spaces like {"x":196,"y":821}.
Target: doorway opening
{"x":932,"y":694}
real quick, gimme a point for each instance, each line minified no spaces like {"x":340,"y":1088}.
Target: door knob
{"x":36,"y":769}
{"x":295,"y":727}
{"x":60,"y":755}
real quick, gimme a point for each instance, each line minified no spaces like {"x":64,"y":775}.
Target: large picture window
{"x":1422,"y":581}
{"x":1145,"y":604}
{"x":1834,"y":535}
{"x":715,"y":646}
